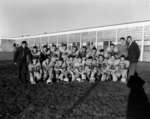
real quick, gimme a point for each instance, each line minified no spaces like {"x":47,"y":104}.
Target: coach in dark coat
{"x":133,"y":55}
{"x":21,"y":59}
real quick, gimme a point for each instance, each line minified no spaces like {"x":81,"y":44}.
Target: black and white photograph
{"x":74,"y":59}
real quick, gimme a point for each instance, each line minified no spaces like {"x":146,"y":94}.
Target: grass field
{"x":102,"y":100}
{"x":6,"y":56}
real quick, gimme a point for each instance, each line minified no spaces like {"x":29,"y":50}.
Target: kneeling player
{"x":93,"y":74}
{"x":46,"y":69}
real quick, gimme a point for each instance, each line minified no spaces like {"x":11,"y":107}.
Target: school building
{"x":100,"y":36}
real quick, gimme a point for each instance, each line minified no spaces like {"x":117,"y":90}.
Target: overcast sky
{"x":31,"y":17}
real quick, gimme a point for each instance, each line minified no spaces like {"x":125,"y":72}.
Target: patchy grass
{"x":6,"y":56}
{"x":106,"y":100}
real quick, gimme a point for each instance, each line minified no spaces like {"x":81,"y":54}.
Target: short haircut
{"x":122,"y":56}
{"x":53,"y":45}
{"x":35,"y":47}
{"x":112,"y":44}
{"x":84,"y":47}
{"x":14,"y":44}
{"x":122,"y":38}
{"x":94,"y":48}
{"x":61,"y":59}
{"x":130,"y":37}
{"x":90,"y":57}
{"x":101,"y":56}
{"x":64,"y":44}
{"x":45,"y":46}
{"x":101,"y":50}
{"x":24,"y":42}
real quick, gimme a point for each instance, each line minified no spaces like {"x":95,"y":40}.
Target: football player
{"x":35,"y":71}
{"x":124,"y":65}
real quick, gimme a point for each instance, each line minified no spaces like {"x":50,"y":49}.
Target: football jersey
{"x":124,"y":64}
{"x":36,"y":67}
{"x":111,"y":64}
{"x":46,"y":66}
{"x":35,"y":54}
{"x":104,"y":64}
{"x":58,"y":66}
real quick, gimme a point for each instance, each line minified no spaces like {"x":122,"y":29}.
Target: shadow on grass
{"x":79,"y":101}
{"x":138,"y":104}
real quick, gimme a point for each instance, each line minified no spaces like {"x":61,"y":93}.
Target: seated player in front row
{"x":48,"y":67}
{"x":113,"y":65}
{"x":94,"y":74}
{"x":35,"y":71}
{"x":103,"y":65}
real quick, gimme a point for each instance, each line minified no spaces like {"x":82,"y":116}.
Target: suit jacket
{"x":22,"y":55}
{"x":133,"y":52}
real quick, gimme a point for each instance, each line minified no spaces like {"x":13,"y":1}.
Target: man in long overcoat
{"x":22,"y":57}
{"x":133,"y":55}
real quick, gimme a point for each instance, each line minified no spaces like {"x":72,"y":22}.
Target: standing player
{"x":122,"y":47}
{"x":124,"y":65}
{"x":35,"y":53}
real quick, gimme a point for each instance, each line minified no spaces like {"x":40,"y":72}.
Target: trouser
{"x":123,"y":75}
{"x":115,"y":75}
{"x":23,"y":72}
{"x":132,"y":69}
